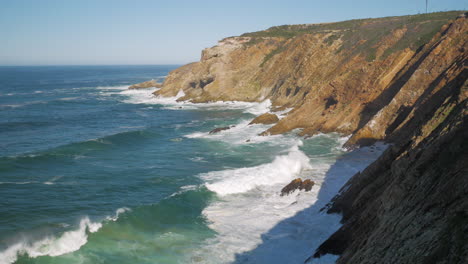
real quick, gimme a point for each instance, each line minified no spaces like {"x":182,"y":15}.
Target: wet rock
{"x":265,"y":119}
{"x":307,"y":185}
{"x":219,"y":129}
{"x":297,"y":184}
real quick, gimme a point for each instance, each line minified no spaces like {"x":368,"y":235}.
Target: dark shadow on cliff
{"x":397,"y":173}
{"x":400,"y":80}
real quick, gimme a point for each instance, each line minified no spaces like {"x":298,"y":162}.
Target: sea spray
{"x":282,"y":170}
{"x":67,"y":242}
{"x":145,"y":96}
{"x":259,"y":225}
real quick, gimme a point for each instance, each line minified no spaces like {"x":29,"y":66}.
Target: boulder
{"x":147,"y":84}
{"x":307,"y":185}
{"x":265,"y":119}
{"x":297,"y":184}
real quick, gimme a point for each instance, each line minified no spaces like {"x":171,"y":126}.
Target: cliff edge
{"x":360,"y":77}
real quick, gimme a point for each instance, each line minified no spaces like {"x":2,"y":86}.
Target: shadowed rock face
{"x":411,"y":206}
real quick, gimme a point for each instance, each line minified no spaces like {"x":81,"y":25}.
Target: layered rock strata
{"x":359,"y":77}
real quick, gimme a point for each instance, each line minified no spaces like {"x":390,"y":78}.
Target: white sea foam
{"x":145,"y":96}
{"x":254,"y":224}
{"x":243,"y":133}
{"x":282,"y":170}
{"x":118,"y":213}
{"x":67,"y":242}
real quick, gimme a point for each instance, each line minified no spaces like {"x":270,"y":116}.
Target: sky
{"x":107,"y":32}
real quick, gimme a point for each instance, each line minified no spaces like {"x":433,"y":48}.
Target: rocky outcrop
{"x":297,"y":184}
{"x":411,"y":206}
{"x":219,"y":129}
{"x":265,"y":119}
{"x":148,"y":84}
{"x":360,"y":77}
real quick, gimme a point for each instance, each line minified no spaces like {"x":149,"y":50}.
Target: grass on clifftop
{"x":363,"y":35}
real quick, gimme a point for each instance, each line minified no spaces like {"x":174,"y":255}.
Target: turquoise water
{"x":93,"y":173}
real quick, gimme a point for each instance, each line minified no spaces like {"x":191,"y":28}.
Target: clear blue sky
{"x":163,"y":32}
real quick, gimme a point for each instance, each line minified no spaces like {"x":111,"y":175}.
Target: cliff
{"x":411,"y":206}
{"x":360,"y":77}
{"x":398,"y":79}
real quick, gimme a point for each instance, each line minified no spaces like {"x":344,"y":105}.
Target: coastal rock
{"x":265,"y":119}
{"x":297,"y":184}
{"x":219,"y":129}
{"x":410,"y":205}
{"x":307,"y":185}
{"x":147,"y":84}
{"x":354,"y":77}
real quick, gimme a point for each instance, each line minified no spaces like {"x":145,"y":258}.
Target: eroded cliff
{"x":360,"y":77}
{"x":411,"y":205}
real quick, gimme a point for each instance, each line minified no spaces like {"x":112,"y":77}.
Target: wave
{"x":67,"y":242}
{"x":145,"y":96}
{"x":80,"y":149}
{"x":282,"y":170}
{"x":291,"y":226}
{"x":243,"y":133}
{"x":19,"y":105}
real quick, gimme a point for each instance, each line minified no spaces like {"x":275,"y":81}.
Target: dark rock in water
{"x":265,"y":119}
{"x":307,"y":185}
{"x":297,"y":184}
{"x":219,"y":129}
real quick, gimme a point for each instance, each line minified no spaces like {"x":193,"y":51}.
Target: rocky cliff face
{"x":360,"y":77}
{"x":398,"y":79}
{"x":411,"y":205}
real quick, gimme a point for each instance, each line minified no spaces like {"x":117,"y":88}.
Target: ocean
{"x":91,"y":172}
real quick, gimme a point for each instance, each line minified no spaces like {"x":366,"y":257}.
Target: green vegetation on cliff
{"x":362,"y":36}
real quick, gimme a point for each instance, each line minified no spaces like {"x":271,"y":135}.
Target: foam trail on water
{"x":282,"y":170}
{"x":68,"y":242}
{"x":145,"y":96}
{"x":243,"y":133}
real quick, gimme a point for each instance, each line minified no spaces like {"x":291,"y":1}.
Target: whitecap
{"x":282,"y":170}
{"x":145,"y":96}
{"x":67,"y":242}
{"x":118,"y":213}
